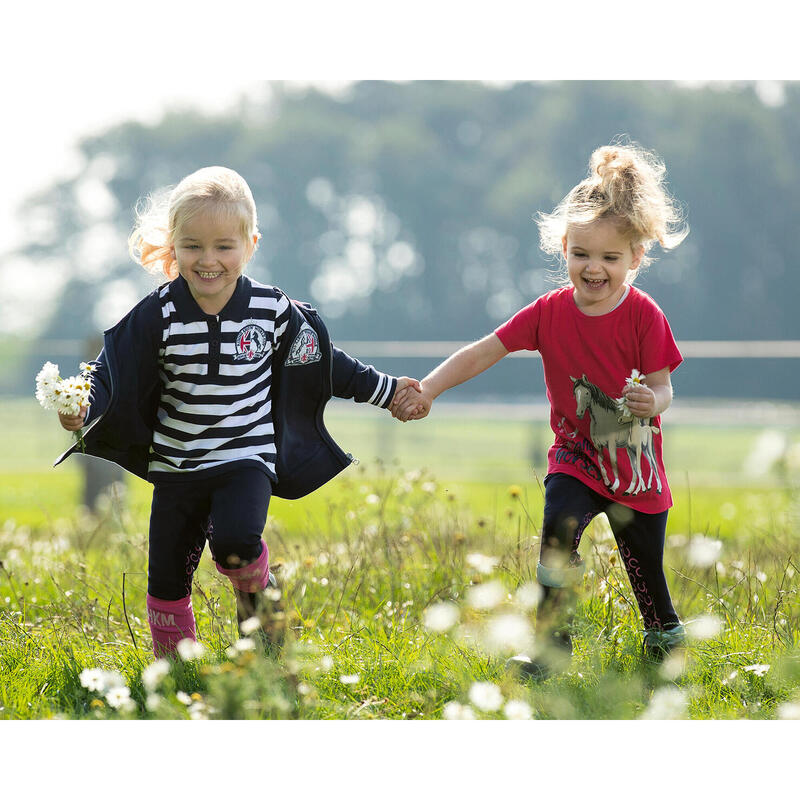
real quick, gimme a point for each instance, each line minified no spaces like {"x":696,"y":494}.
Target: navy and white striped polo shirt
{"x":216,"y":377}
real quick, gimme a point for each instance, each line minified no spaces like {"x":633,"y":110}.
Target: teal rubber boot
{"x":657,"y":644}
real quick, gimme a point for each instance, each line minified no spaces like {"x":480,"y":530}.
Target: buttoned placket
{"x":214,"y":336}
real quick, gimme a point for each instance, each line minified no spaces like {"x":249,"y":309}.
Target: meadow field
{"x":408,"y":581}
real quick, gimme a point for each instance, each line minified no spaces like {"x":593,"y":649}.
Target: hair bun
{"x":614,"y":166}
{"x":603,"y":160}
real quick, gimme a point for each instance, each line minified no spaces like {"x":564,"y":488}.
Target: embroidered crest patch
{"x":251,"y":342}
{"x":305,"y":347}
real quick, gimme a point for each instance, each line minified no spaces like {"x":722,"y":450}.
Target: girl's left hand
{"x":73,"y":422}
{"x":641,"y":400}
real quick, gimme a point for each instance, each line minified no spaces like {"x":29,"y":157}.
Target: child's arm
{"x":464,"y":364}
{"x":651,"y":398}
{"x":365,"y":384}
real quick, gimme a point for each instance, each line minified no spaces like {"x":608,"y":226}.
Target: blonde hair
{"x":626,"y":184}
{"x":216,"y":190}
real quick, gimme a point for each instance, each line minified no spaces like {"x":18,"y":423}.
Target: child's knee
{"x":236,"y":554}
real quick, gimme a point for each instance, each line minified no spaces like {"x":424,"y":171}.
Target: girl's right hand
{"x":413,"y":406}
{"x":73,"y":422}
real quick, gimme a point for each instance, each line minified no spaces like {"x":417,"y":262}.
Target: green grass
{"x":363,"y":560}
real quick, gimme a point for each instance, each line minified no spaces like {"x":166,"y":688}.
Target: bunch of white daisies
{"x":64,"y":395}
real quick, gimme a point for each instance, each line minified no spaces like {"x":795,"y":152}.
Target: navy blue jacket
{"x":126,"y":391}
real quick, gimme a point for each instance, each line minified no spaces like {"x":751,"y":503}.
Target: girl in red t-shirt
{"x":607,"y":351}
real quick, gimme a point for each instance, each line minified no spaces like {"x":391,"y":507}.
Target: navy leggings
{"x":230,"y":510}
{"x":570,"y":506}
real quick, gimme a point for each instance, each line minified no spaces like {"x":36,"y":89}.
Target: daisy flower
{"x":485,"y":696}
{"x":65,"y":395}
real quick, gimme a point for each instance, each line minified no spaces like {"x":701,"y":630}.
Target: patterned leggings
{"x":570,"y":506}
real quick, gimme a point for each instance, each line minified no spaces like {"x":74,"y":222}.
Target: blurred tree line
{"x":405,"y":211}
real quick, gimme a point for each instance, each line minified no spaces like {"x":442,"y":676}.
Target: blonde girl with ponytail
{"x":608,"y":352}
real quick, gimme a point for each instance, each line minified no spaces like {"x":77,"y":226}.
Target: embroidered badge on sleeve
{"x":305,"y":347}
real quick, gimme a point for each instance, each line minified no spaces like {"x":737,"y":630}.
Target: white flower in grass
{"x":788,"y":711}
{"x":153,"y":702}
{"x":120,"y":697}
{"x":152,"y":674}
{"x":673,"y":667}
{"x":441,"y":617}
{"x":757,"y":669}
{"x":240,"y":646}
{"x":184,"y":698}
{"x":372,"y":499}
{"x":517,"y":709}
{"x":349,"y":679}
{"x":481,"y":563}
{"x":92,"y":679}
{"x":486,"y":595}
{"x":485,"y":696}
{"x":113,"y":679}
{"x":101,"y":680}
{"x":189,"y":649}
{"x":457,"y":711}
{"x":703,"y":551}
{"x":668,"y":702}
{"x":272,"y":594}
{"x":706,"y":626}
{"x":528,"y":596}
{"x":511,"y":632}
{"x":250,"y":625}
{"x":244,"y":645}
{"x":326,"y":663}
{"x":198,"y":710}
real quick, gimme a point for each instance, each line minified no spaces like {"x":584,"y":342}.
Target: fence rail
{"x":689,"y":349}
{"x":786,"y":348}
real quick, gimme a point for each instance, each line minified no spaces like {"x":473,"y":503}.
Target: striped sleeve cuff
{"x":384,"y":391}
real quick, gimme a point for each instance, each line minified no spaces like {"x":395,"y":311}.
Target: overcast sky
{"x":74,"y":70}
{"x":55,"y":114}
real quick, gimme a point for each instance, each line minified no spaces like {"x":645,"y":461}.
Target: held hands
{"x":410,"y":405}
{"x":74,"y":422}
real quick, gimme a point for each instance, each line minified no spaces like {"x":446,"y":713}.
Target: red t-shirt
{"x":586,"y":360}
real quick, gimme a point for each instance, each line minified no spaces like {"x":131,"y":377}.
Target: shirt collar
{"x":188,"y":310}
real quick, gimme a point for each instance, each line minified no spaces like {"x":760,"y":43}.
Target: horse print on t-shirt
{"x":612,"y":429}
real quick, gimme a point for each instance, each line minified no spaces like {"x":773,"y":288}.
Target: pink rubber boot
{"x":252,"y":577}
{"x":170,"y":621}
{"x":249,"y":583}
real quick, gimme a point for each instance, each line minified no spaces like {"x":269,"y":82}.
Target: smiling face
{"x":599,"y":258}
{"x":211,"y":253}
